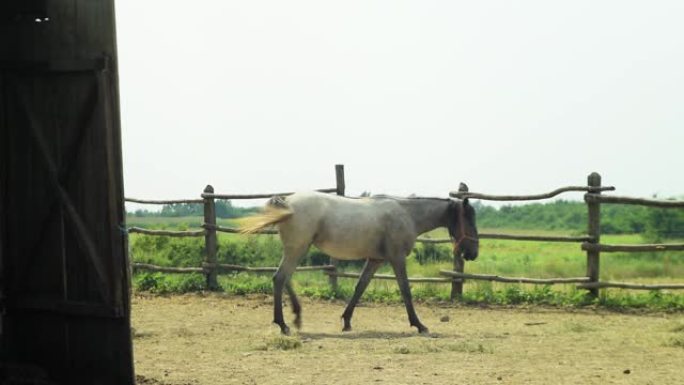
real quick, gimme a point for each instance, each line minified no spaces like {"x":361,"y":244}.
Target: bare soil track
{"x":216,"y":339}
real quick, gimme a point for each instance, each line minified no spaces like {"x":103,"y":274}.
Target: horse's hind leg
{"x":369,"y":269}
{"x":296,"y":308}
{"x":288,"y":264}
{"x":279,"y":280}
{"x":402,"y":279}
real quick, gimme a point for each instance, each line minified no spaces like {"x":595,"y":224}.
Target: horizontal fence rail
{"x":497,"y":278}
{"x":632,"y":286}
{"x":392,"y":277}
{"x":210,"y":266}
{"x":633,"y":248}
{"x":222,"y":268}
{"x":515,"y":237}
{"x":227,"y":268}
{"x":233,"y":230}
{"x":590,"y":243}
{"x":168,"y":233}
{"x":258,"y":196}
{"x":633,"y":201}
{"x":558,"y":191}
{"x":163,"y":202}
{"x":165,"y":269}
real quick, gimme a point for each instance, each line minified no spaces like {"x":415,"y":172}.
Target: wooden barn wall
{"x":63,"y":263}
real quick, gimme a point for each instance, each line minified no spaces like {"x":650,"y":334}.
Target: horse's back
{"x":345,"y":228}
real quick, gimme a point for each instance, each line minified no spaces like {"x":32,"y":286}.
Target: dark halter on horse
{"x":461,"y":227}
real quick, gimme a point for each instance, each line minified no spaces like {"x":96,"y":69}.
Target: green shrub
{"x":245,"y":283}
{"x":426,"y":253}
{"x":160,"y":283}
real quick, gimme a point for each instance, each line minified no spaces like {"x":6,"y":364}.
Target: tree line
{"x":655,"y":223}
{"x":224,"y":209}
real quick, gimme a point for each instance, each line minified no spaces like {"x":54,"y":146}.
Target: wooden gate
{"x":63,"y":262}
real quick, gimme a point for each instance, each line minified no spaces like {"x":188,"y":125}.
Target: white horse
{"x":376,"y":229}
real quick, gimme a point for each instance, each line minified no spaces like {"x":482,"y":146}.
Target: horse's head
{"x":462,"y":228}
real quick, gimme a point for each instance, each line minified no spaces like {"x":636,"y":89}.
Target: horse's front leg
{"x":399,"y":267}
{"x":369,"y":269}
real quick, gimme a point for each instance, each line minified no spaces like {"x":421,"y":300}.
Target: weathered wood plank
{"x":633,"y":248}
{"x":163,"y":202}
{"x":168,"y":233}
{"x":542,"y":238}
{"x":551,"y":194}
{"x":515,"y":237}
{"x":391,"y":277}
{"x":594,"y":231}
{"x":210,"y":239}
{"x":71,"y":308}
{"x":68,"y":299}
{"x":596,"y":198}
{"x":233,"y":230}
{"x":166,"y":269}
{"x":341,"y":187}
{"x":634,"y":286}
{"x":223,"y":268}
{"x":458,"y":262}
{"x":258,"y":196}
{"x":56,"y":65}
{"x":497,"y":278}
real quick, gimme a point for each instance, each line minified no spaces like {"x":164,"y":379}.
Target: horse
{"x":378,"y":229}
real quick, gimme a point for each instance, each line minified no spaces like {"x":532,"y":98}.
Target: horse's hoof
{"x":423,"y":330}
{"x":347,"y":328}
{"x":284,"y":330}
{"x":298,"y":322}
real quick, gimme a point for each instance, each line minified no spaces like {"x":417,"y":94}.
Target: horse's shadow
{"x":370,"y":334}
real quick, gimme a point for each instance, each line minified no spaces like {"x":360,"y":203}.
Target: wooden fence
{"x":210,"y":266}
{"x":590,"y":243}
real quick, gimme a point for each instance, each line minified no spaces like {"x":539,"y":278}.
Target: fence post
{"x":340,"y":185}
{"x":594,"y":232}
{"x":459,"y":263}
{"x":339,"y":179}
{"x":210,"y":240}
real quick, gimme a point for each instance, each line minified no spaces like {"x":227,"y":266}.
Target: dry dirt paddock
{"x":217,"y":339}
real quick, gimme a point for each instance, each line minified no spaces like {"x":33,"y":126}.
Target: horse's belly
{"x":347,"y":252}
{"x":352,"y":233}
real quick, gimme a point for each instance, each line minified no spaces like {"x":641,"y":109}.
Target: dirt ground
{"x":218,"y":339}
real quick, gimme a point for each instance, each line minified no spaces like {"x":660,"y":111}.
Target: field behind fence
{"x":590,"y":242}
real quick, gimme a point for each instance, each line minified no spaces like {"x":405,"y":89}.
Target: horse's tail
{"x":275,"y":211}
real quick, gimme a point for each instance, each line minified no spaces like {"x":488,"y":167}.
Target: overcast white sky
{"x":411,"y":96}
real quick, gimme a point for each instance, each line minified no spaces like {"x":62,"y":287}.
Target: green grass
{"x":556,"y":259}
{"x":181,"y":223}
{"x":159,"y":283}
{"x":498,"y":257}
{"x":315,"y":285}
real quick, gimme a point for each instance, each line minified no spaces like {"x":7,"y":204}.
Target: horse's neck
{"x":427,"y":214}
